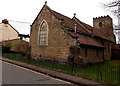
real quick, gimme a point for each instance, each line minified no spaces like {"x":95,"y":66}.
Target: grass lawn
{"x":109,"y":71}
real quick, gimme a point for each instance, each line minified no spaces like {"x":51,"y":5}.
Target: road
{"x":12,"y":74}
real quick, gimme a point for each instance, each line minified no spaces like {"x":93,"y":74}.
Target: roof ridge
{"x":93,"y":28}
{"x":13,"y":28}
{"x":81,"y":24}
{"x":61,"y":14}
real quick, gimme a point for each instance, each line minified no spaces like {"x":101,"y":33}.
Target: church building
{"x":54,"y":35}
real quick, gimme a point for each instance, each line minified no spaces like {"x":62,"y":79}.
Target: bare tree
{"x":114,"y":7}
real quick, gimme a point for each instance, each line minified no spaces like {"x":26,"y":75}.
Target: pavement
{"x":60,"y":75}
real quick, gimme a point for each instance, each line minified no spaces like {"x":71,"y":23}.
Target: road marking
{"x":36,"y":72}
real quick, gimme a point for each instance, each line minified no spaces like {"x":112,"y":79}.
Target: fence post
{"x":53,"y":63}
{"x":100,"y":73}
{"x":73,"y":64}
{"x":119,"y":75}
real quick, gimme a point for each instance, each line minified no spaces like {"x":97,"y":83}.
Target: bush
{"x":20,"y":46}
{"x":16,"y":45}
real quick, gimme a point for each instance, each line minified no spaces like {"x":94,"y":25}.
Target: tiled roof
{"x":86,"y":40}
{"x":68,"y":22}
{"x":97,"y":32}
{"x":84,"y":29}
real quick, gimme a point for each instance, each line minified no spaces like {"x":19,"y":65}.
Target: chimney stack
{"x":5,"y":21}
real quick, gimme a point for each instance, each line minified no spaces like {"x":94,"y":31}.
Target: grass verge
{"x":109,"y":71}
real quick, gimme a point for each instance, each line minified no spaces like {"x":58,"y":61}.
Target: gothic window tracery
{"x":43,"y":34}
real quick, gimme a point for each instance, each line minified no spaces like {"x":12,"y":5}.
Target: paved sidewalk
{"x":64,"y":76}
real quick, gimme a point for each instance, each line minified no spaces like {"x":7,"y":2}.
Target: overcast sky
{"x":27,"y":10}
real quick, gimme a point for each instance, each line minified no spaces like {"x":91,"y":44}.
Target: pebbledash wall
{"x":59,"y":42}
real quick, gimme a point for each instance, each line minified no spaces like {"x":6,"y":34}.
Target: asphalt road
{"x":12,"y":74}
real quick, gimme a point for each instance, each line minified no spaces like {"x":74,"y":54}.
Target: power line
{"x":18,"y":21}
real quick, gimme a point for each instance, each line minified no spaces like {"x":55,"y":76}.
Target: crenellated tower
{"x":105,"y":24}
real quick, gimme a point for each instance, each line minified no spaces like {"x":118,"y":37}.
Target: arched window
{"x":100,"y":23}
{"x":43,"y":34}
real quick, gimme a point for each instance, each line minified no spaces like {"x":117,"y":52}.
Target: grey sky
{"x":27,"y":10}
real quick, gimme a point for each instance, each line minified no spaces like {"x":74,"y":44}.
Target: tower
{"x":105,"y":24}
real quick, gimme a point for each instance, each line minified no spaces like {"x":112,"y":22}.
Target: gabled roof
{"x":11,"y":27}
{"x":96,"y":32}
{"x":83,"y":28}
{"x":70,"y":23}
{"x":14,"y":28}
{"x":45,"y":6}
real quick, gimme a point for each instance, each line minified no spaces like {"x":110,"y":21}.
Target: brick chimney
{"x":5,"y":21}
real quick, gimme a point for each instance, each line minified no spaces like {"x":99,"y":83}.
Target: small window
{"x":100,"y":23}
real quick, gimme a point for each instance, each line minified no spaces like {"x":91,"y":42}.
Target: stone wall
{"x":94,"y":54}
{"x":107,"y":48}
{"x":105,"y":24}
{"x":58,"y":40}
